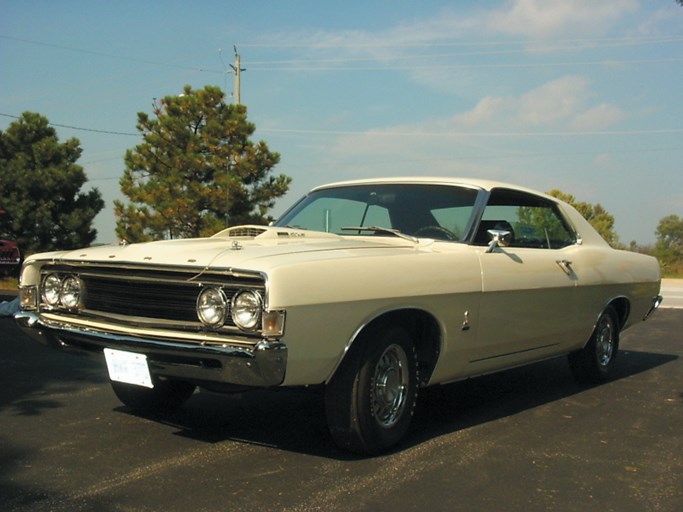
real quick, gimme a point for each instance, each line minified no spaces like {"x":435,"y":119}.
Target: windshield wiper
{"x":380,"y":229}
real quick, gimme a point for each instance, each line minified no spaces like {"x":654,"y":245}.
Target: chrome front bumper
{"x":260,"y":365}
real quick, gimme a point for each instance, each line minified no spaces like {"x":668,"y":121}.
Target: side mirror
{"x":499,"y":238}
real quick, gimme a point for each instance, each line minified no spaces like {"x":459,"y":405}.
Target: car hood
{"x":245,"y":247}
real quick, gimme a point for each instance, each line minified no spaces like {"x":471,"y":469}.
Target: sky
{"x":576,"y":95}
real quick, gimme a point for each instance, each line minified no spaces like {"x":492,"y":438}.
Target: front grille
{"x":152,"y":297}
{"x":166,"y":301}
{"x":9,"y":256}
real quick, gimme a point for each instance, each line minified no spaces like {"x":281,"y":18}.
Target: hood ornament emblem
{"x":236,"y":246}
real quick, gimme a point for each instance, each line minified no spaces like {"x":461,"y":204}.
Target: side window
{"x":533,"y":221}
{"x":453,"y":219}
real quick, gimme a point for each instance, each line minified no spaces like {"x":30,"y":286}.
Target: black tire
{"x":370,"y":400}
{"x":594,"y":363}
{"x":166,"y":396}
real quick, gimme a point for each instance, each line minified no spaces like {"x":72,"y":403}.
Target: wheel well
{"x":623,"y":307}
{"x":425,"y":332}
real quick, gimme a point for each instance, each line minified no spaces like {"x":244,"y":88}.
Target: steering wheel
{"x":436,"y":232}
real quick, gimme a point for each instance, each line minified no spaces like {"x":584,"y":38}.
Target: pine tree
{"x":196,"y":171}
{"x":40,"y":185}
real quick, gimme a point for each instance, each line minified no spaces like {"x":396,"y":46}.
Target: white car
{"x":369,"y":290}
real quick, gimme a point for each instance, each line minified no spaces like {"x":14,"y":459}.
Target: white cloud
{"x":475,"y":139}
{"x":598,"y":117}
{"x":455,"y":32}
{"x":559,"y":104}
{"x":542,"y":18}
{"x":552,"y":102}
{"x":488,"y":108}
{"x":665,"y":20}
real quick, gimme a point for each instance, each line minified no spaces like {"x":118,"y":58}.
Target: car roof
{"x":439,"y":180}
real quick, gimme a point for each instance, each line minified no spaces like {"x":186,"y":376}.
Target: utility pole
{"x":237,"y":69}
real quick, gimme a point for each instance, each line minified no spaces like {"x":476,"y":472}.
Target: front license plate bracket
{"x":128,"y":367}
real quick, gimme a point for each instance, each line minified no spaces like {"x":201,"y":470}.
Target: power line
{"x":395,"y":43}
{"x":427,"y":67}
{"x":530,"y":47}
{"x":93,"y":130}
{"x":515,"y":134}
{"x":510,"y":134}
{"x":110,"y":55}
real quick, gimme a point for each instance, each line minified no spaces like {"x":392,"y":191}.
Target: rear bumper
{"x":260,"y":365}
{"x":656,"y":302}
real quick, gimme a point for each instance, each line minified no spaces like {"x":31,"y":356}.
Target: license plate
{"x":128,"y":367}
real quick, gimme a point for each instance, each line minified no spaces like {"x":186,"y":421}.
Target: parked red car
{"x":10,"y":257}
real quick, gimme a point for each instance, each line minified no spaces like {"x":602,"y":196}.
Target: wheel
{"x":166,"y":395}
{"x":593,"y":363}
{"x":436,"y":232}
{"x":370,"y":400}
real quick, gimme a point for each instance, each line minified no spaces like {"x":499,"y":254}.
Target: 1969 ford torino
{"x":368,"y":290}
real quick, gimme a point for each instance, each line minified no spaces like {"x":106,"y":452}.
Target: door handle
{"x":566,"y":265}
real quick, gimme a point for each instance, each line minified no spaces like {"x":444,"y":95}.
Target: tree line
{"x":195,"y":172}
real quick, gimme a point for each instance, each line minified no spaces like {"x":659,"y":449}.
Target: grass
{"x":9,"y":283}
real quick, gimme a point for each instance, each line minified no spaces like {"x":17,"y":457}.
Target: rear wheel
{"x":166,"y":395}
{"x":370,"y":400}
{"x":594,"y":363}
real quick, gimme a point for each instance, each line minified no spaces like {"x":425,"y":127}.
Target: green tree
{"x":40,"y":187}
{"x":196,"y":171}
{"x":669,"y":246}
{"x":595,"y":214}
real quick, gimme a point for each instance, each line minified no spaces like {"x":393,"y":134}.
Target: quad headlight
{"x":212,"y":306}
{"x":70,"y":294}
{"x":246,"y":309}
{"x":52,"y":286}
{"x":62,"y":291}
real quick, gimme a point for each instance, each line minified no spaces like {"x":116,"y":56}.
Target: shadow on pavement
{"x":295,"y":420}
{"x":35,"y":377}
{"x":28,"y":370}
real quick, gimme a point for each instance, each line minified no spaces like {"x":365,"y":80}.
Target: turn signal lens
{"x":273,"y":324}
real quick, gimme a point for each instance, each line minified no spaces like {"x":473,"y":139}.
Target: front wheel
{"x":165,"y":397}
{"x":370,"y":400}
{"x":594,"y":363}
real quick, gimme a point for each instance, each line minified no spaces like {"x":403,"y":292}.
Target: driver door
{"x":528,"y":302}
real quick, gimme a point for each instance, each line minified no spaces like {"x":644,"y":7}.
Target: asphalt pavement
{"x":528,"y":439}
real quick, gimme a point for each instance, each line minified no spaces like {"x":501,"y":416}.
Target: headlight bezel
{"x":62,"y":291}
{"x":72,"y":287}
{"x":219,"y":305}
{"x":50,"y":289}
{"x":246,"y":310}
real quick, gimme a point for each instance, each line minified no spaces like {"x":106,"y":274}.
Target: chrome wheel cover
{"x":604,"y":342}
{"x":390,"y":385}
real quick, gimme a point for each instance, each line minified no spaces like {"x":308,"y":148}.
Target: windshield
{"x":441,"y":212}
